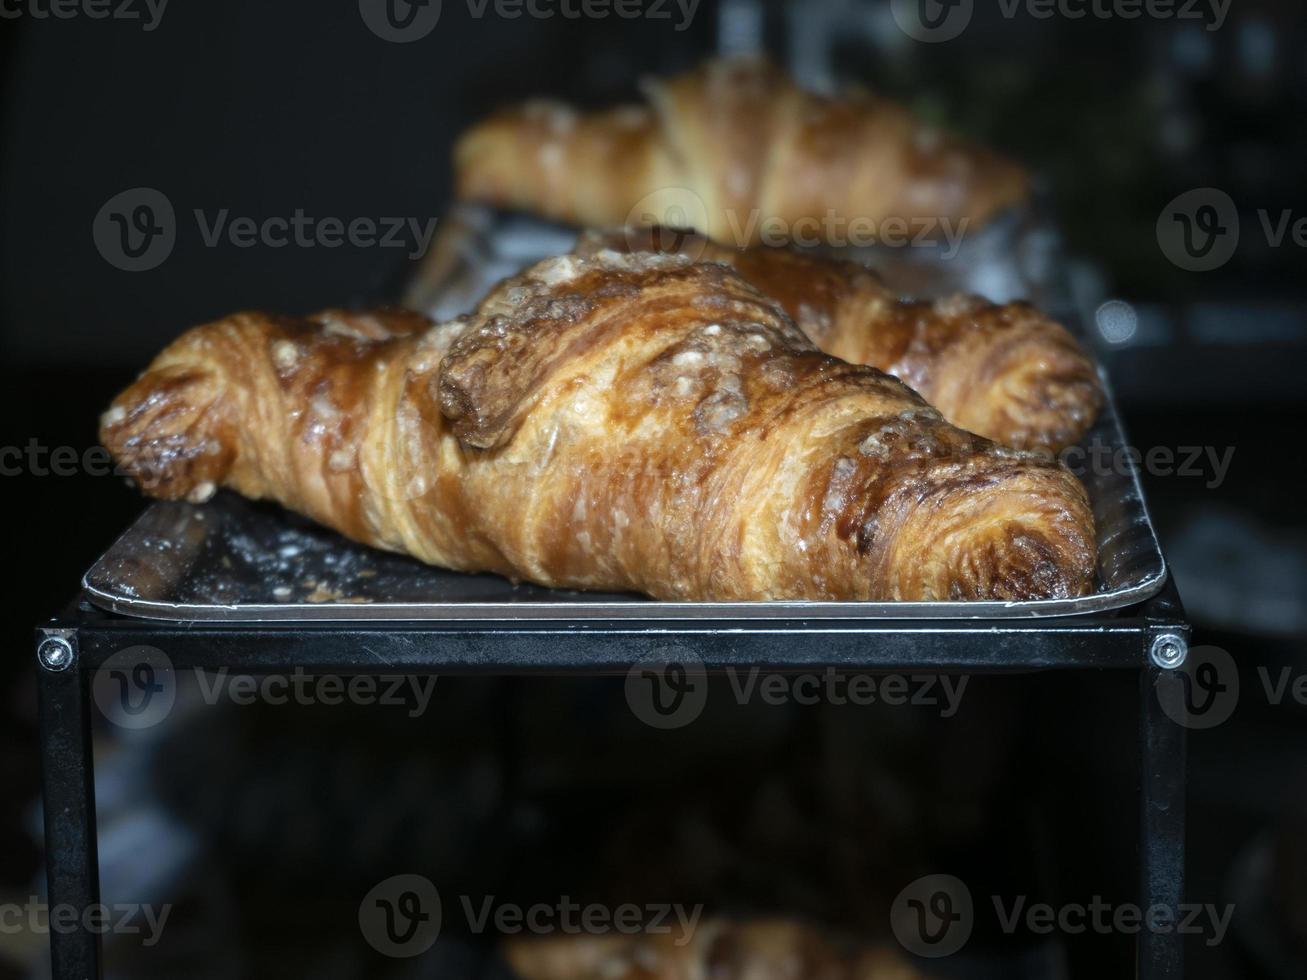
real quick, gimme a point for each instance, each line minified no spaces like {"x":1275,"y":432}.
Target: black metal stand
{"x":1148,"y":640}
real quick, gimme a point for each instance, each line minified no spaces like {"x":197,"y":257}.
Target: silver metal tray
{"x":234,"y":561}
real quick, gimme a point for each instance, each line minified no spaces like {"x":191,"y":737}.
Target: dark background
{"x":262,"y":108}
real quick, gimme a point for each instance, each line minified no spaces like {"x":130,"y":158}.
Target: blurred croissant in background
{"x":730,"y":149}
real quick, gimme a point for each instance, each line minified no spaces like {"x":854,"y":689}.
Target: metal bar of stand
{"x":1162,"y":746}
{"x":68,"y":783}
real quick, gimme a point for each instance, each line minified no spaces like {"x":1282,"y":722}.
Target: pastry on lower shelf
{"x":717,"y":949}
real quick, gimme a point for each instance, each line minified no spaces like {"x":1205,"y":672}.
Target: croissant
{"x":618,"y":422}
{"x":1007,"y":372}
{"x":717,"y":949}
{"x":736,"y":150}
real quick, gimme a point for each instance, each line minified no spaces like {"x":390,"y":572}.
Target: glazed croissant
{"x":716,"y":950}
{"x":735,"y":149}
{"x":1007,"y":372}
{"x":618,"y":422}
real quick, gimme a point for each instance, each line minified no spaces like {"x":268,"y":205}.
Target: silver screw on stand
{"x":55,"y":653}
{"x":1169,"y":651}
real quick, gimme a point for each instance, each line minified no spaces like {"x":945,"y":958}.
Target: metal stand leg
{"x":72,"y":870}
{"x":1161,"y":829}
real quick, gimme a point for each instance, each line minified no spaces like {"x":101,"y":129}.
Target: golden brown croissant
{"x":1007,"y":372}
{"x":618,"y":422}
{"x":757,"y":155}
{"x":717,"y":949}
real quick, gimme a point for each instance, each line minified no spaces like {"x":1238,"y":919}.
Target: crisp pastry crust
{"x":1006,"y":372}
{"x":616,"y":422}
{"x":750,"y":146}
{"x":718,"y":949}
